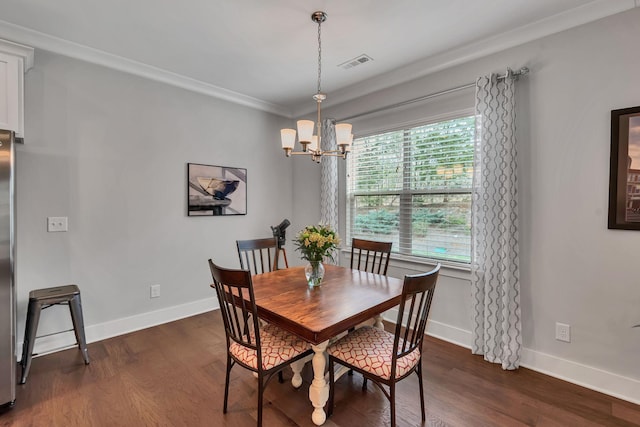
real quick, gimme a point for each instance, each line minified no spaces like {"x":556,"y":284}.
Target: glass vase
{"x":314,"y":271}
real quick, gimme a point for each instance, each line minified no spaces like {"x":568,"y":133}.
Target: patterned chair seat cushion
{"x":370,"y":349}
{"x":278,"y":346}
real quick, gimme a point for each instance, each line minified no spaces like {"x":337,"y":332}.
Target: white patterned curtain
{"x":329,"y":177}
{"x":494,"y":267}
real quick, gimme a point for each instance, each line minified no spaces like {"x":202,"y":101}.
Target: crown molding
{"x":25,"y":52}
{"x":563,"y":21}
{"x":560,"y":22}
{"x":63,"y":47}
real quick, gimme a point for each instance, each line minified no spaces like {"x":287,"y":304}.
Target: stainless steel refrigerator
{"x":7,"y":282}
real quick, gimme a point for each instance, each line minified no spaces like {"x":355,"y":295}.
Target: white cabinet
{"x":15,"y":60}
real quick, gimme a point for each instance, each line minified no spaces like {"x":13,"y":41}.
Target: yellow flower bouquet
{"x":317,"y":242}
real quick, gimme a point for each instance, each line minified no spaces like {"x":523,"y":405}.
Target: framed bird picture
{"x":216,"y":190}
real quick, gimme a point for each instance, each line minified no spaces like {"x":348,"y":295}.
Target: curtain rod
{"x":512,"y":74}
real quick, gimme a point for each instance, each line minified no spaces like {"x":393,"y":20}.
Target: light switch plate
{"x":57,"y":223}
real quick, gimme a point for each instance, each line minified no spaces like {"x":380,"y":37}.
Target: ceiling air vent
{"x":359,"y":60}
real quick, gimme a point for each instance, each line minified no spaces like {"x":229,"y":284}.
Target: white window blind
{"x":413,"y":187}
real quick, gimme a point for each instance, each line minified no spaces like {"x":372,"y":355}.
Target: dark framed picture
{"x":624,"y":180}
{"x":216,"y":190}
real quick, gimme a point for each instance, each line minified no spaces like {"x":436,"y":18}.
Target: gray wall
{"x":573,"y":269}
{"x":109,"y":150}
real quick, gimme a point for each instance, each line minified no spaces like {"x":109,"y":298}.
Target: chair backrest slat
{"x":257,"y":255}
{"x":422,"y":323}
{"x":406,"y":340}
{"x":417,"y":294}
{"x":371,"y":256}
{"x":229,"y":308}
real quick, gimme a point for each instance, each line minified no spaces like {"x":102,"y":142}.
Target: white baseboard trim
{"x":102,"y":331}
{"x":449,"y":333}
{"x":586,"y":376}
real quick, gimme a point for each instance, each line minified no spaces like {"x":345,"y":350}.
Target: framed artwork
{"x":624,"y":180}
{"x":216,"y":190}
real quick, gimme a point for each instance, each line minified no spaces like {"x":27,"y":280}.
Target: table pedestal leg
{"x":296,"y":367}
{"x":319,"y":389}
{"x":378,"y":321}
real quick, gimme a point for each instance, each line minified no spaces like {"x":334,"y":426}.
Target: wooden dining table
{"x":345,"y":299}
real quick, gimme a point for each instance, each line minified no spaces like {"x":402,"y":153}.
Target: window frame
{"x":400,"y":251}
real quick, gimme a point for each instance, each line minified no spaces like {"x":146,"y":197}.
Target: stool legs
{"x":75,"y":306}
{"x":45,"y":298}
{"x":33,"y":317}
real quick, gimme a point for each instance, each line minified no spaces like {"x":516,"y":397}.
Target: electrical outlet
{"x":57,"y":223}
{"x":155,"y":291}
{"x":563,"y":332}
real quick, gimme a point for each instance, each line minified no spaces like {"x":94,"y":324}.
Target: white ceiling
{"x":264,"y":53}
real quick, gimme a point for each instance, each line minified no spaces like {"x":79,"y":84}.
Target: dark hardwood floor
{"x":173,"y":375}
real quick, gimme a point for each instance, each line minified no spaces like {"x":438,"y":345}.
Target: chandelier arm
{"x":334,"y":153}
{"x":317,"y":154}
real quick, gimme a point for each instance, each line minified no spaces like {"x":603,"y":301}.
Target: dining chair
{"x":264,"y":349}
{"x":371,"y":256}
{"x":384,"y":357}
{"x":258,"y":255}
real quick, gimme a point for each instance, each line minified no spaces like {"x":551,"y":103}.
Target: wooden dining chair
{"x":384,"y":357}
{"x":264,"y":349}
{"x":258,"y":255}
{"x":371,"y":256}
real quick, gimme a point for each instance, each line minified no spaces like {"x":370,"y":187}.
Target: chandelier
{"x":311,"y":144}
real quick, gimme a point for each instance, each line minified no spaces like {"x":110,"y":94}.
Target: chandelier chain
{"x":319,"y":54}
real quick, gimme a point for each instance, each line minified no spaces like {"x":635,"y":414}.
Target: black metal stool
{"x":40,"y":299}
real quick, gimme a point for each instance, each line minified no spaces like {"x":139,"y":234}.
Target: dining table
{"x":345,"y":299}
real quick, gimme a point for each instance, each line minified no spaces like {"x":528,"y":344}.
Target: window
{"x":413,"y":187}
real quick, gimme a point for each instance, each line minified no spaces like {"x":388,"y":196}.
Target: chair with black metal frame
{"x":258,"y":255}
{"x":264,"y":349}
{"x":389,"y":357}
{"x":370,"y":255}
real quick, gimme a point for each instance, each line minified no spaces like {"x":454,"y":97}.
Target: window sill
{"x":405,"y":262}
